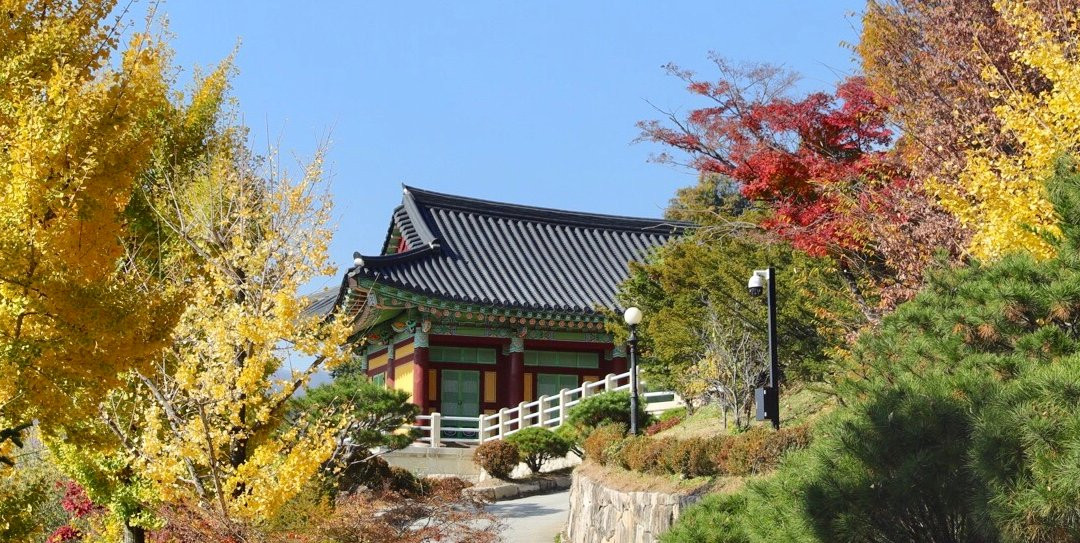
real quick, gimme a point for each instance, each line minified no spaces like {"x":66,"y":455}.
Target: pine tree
{"x":961,"y":422}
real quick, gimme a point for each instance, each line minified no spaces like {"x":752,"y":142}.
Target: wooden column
{"x":420,"y":370}
{"x":390,"y":365}
{"x":516,"y":378}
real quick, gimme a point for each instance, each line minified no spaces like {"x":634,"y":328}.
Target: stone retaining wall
{"x":599,"y":514}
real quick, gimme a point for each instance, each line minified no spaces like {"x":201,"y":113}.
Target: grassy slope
{"x":796,"y":407}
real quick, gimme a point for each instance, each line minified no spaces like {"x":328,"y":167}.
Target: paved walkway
{"x":535,"y":519}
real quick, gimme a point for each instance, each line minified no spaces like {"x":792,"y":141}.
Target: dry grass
{"x":617,"y":478}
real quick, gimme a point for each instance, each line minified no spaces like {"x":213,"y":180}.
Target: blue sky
{"x":527,"y":102}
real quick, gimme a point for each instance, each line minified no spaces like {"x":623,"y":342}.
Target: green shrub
{"x":312,"y":502}
{"x":1025,"y":449}
{"x":404,"y":482}
{"x":600,"y":444}
{"x":676,"y":413}
{"x":537,"y":445}
{"x":605,"y":408}
{"x":371,"y":474}
{"x":893,"y":468}
{"x":30,"y":498}
{"x":717,"y":518}
{"x":573,"y":437}
{"x":497,"y":457}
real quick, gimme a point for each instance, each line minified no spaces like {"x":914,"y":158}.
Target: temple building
{"x":474,"y":305}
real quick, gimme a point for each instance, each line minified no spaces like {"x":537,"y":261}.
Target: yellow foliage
{"x":1001,"y":193}
{"x":249,"y":239}
{"x":76,"y":134}
{"x":182,"y":368}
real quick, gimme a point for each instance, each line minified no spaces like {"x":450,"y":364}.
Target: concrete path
{"x":535,"y":519}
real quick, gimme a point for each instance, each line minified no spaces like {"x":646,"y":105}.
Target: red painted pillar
{"x":618,"y":365}
{"x":390,"y":365}
{"x":517,"y":372}
{"x":420,"y":371}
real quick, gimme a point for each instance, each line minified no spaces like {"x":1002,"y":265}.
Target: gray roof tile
{"x":514,"y":256}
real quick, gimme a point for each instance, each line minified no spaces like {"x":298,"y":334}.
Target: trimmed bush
{"x":759,"y":449}
{"x":690,"y":457}
{"x":537,"y":445}
{"x":498,"y":458}
{"x":572,"y":437}
{"x":737,"y":455}
{"x":756,"y":451}
{"x":605,"y":408}
{"x":641,"y":453}
{"x":656,"y":451}
{"x":600,"y":446}
{"x":781,"y":441}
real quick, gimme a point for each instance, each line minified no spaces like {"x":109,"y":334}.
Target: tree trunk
{"x":134,"y":534}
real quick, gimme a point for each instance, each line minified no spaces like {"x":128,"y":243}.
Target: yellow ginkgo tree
{"x":212,"y":432}
{"x":1000,"y":194}
{"x":77,"y":129}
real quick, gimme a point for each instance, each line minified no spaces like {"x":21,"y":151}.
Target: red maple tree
{"x":822,"y":165}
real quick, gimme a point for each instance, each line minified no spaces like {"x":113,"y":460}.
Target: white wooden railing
{"x":437,"y":430}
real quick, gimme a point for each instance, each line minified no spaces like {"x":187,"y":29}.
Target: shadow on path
{"x":510,"y":509}
{"x":534,"y":519}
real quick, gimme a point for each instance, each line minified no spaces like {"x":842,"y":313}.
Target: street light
{"x":632,"y":316}
{"x":768,"y":397}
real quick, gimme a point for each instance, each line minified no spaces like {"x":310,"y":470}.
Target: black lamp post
{"x":768,"y":397}
{"x":632,"y":316}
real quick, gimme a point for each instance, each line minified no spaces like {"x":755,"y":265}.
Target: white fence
{"x":548,"y":411}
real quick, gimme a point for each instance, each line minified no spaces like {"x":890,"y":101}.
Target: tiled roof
{"x":513,"y":256}
{"x":321,"y":303}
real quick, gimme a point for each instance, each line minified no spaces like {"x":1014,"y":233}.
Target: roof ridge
{"x":418,"y":221}
{"x":378,"y":261}
{"x":543,"y":214}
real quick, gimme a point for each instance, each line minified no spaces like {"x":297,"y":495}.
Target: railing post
{"x":540,"y":417}
{"x":586,"y":390}
{"x":522,"y":412}
{"x":564,"y":397}
{"x":481,"y":431}
{"x":436,"y":429}
{"x":609,"y":382}
{"x":502,"y":423}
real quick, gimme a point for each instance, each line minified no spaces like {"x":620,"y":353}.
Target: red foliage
{"x":822,"y":165}
{"x":75,"y":500}
{"x":65,"y":533}
{"x":657,"y":427}
{"x":811,"y":159}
